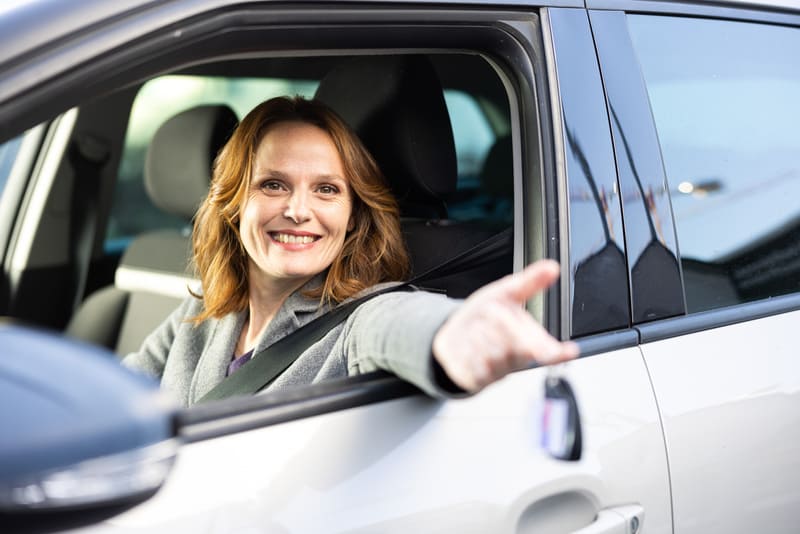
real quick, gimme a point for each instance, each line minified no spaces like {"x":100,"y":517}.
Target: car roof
{"x":29,"y":24}
{"x":26,"y":25}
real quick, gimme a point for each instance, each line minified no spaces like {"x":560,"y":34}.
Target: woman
{"x":297,"y":220}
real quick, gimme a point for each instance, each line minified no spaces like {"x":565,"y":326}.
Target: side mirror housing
{"x":82,"y":437}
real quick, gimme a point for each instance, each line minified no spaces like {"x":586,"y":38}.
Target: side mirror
{"x":562,"y":437}
{"x":82,"y":437}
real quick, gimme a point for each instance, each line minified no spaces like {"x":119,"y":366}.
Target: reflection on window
{"x":724,"y":98}
{"x":157,"y":101}
{"x":484,"y":160}
{"x":8,"y":154}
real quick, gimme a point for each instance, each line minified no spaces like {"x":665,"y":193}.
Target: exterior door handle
{"x":625,"y":519}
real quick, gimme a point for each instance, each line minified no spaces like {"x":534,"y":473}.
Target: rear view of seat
{"x":153,"y":274}
{"x":396,"y":105}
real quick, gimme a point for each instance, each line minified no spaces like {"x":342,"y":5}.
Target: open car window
{"x":476,"y":129}
{"x":141,"y":260}
{"x":120,"y":112}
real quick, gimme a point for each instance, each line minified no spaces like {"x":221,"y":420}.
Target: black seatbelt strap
{"x":270,"y":362}
{"x":267,"y":364}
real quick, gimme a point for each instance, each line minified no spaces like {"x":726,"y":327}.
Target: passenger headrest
{"x":179,"y":159}
{"x":498,"y":169}
{"x":396,"y":106}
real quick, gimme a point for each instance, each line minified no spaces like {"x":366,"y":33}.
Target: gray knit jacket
{"x":393,"y":332}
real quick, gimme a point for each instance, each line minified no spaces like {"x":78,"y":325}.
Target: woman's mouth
{"x":293,"y":239}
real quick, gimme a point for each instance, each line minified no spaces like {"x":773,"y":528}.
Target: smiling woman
{"x":299,"y":219}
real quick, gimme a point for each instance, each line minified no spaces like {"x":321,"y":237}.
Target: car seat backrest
{"x":396,"y":105}
{"x":153,"y":275}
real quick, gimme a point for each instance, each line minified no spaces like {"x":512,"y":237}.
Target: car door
{"x":723,"y":100}
{"x":371,"y":453}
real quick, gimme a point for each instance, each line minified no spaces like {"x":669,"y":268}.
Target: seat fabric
{"x":396,"y":105}
{"x":153,"y":275}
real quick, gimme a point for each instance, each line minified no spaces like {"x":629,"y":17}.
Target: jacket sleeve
{"x":152,"y":356}
{"x":394,"y":332}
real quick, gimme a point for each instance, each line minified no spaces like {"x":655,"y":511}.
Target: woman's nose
{"x":297,"y":208}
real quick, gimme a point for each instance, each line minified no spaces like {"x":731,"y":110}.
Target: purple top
{"x":238,"y":362}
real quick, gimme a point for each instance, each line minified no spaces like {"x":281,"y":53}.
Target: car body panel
{"x":728,"y":398}
{"x":419,"y":464}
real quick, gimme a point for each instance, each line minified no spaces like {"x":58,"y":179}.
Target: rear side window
{"x":725,"y":101}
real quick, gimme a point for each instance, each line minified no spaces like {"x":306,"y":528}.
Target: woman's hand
{"x":491,"y":334}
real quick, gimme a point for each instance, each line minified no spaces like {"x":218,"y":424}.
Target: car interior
{"x":109,"y":254}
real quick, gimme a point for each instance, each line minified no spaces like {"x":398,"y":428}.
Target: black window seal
{"x":719,"y":317}
{"x":608,"y":341}
{"x":230,"y":416}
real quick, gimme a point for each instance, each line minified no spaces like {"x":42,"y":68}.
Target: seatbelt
{"x":270,"y":362}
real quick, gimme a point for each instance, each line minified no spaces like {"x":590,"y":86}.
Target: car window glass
{"x":8,"y":153}
{"x":484,"y":182}
{"x":158,"y":100}
{"x":724,"y":99}
{"x":473,"y":135}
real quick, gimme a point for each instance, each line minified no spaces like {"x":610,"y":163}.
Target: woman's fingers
{"x":521,"y":286}
{"x":491,"y":335}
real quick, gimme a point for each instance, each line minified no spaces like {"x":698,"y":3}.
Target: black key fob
{"x":561,"y":422}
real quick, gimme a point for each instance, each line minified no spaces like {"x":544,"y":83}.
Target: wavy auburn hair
{"x":373,"y":251}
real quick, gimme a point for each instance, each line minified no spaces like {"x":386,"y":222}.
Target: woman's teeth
{"x":297,"y":239}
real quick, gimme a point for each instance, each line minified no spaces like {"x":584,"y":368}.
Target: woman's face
{"x":298,"y":206}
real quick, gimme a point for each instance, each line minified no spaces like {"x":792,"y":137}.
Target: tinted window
{"x":725,"y":100}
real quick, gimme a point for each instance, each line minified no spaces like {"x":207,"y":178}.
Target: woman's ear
{"x":351,"y":224}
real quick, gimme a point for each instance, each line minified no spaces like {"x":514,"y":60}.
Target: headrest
{"x":498,"y":169}
{"x":179,"y":159}
{"x":396,"y":106}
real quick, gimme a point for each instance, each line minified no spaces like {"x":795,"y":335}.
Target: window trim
{"x":230,"y":416}
{"x":718,"y":317}
{"x":638,"y":170}
{"x":586,"y":149}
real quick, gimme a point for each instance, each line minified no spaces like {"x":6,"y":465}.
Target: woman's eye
{"x":271,"y":185}
{"x":328,"y":189}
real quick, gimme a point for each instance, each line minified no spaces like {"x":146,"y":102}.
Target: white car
{"x":651,"y":147}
